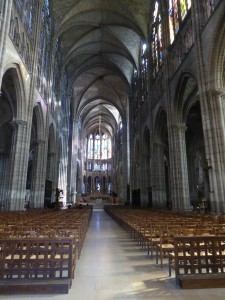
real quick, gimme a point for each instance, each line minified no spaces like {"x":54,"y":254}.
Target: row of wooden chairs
{"x":198,"y":261}
{"x":41,"y":245}
{"x":154,"y":231}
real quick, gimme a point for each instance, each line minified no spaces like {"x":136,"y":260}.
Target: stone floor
{"x":112,"y":266}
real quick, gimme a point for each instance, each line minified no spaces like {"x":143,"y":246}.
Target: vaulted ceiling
{"x":100,"y":42}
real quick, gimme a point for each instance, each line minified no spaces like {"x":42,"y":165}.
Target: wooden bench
{"x":40,"y":265}
{"x":198,"y":261}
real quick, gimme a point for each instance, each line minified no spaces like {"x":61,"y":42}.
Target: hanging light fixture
{"x":99,"y":139}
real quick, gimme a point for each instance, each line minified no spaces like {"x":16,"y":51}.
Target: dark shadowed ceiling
{"x":100,"y":41}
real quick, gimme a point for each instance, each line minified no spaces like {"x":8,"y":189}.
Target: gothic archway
{"x":51,"y":169}
{"x":12,"y":179}
{"x":6,"y":133}
{"x":160,"y":174}
{"x":196,"y":158}
{"x":147,"y":186}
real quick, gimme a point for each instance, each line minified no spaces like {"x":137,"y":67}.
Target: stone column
{"x":5,"y":17}
{"x":142,"y":175}
{"x":92,"y":183}
{"x":178,"y":168}
{"x":214,"y":131}
{"x":73,"y":161}
{"x":158,"y":174}
{"x":145,"y":179}
{"x":212,"y":108}
{"x":65,"y":162}
{"x":38,"y":175}
{"x":15,"y":197}
{"x":123,"y":195}
{"x":4,"y":161}
{"x":54,"y":170}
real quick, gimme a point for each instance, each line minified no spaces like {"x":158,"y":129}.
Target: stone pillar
{"x":212,"y":108}
{"x":92,"y":183}
{"x":18,"y":168}
{"x":142,"y":174}
{"x":38,"y":175}
{"x":65,"y":163}
{"x":73,"y":162}
{"x":158,"y":174}
{"x":123,"y":194}
{"x":145,"y":179}
{"x":4,"y":161}
{"x":178,"y":168}
{"x":214,"y":130}
{"x":54,"y":170}
{"x":5,"y":17}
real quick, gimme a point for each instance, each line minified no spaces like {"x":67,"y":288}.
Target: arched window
{"x":157,"y":46}
{"x":178,"y":10}
{"x":57,"y":66}
{"x":99,"y":147}
{"x":104,"y":147}
{"x":43,"y":57}
{"x":20,"y":4}
{"x":90,"y":147}
{"x":29,"y":15}
{"x":109,"y":148}
{"x":144,"y":73}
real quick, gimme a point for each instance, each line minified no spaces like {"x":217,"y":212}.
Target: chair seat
{"x":166,"y":246}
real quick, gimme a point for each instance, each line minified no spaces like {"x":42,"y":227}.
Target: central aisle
{"x":113,"y":267}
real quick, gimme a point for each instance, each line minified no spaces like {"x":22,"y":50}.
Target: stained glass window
{"x":90,"y":147}
{"x":41,"y":47}
{"x":178,"y":10}
{"x":144,"y":73}
{"x":109,"y":148}
{"x":100,"y":146}
{"x":20,"y":4}
{"x":45,"y":15}
{"x":58,"y":60}
{"x":44,"y":37}
{"x":29,"y":15}
{"x":97,"y":147}
{"x":157,"y":46}
{"x":104,"y":147}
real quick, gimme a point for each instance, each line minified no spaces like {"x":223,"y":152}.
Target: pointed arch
{"x":52,"y":139}
{"x":38,"y":112}
{"x":161,"y":125}
{"x":146,"y":141}
{"x":186,"y":96}
{"x":14,"y":76}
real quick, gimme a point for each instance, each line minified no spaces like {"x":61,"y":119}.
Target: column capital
{"x":40,"y":142}
{"x":15,"y":123}
{"x":180,"y":126}
{"x":216,"y":92}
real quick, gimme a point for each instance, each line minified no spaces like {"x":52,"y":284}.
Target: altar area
{"x":98,"y":200}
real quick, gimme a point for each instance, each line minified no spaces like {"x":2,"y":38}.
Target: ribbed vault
{"x":100,"y":42}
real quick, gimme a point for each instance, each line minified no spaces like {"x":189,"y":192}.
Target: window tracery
{"x":20,"y":4}
{"x":99,"y":146}
{"x":43,"y":56}
{"x":178,"y":10}
{"x":29,"y":15}
{"x":144,"y":73}
{"x":157,"y":45}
